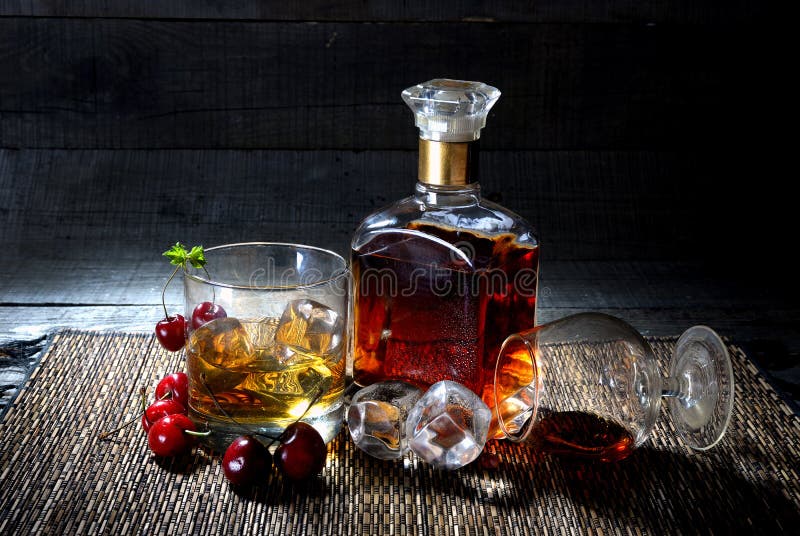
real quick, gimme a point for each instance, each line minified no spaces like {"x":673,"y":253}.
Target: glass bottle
{"x":442,"y":277}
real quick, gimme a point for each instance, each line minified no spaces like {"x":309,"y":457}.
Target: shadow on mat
{"x":659,"y":490}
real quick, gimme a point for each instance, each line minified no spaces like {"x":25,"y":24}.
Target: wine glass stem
{"x":671,"y":388}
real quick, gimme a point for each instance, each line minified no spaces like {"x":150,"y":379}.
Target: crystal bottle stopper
{"x":450,"y":110}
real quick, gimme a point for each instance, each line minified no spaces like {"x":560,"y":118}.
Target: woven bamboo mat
{"x":57,"y":478}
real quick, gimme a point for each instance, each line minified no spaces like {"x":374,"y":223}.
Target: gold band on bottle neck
{"x":447,"y":163}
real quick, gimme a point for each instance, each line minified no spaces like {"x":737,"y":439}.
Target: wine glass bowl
{"x":589,"y":385}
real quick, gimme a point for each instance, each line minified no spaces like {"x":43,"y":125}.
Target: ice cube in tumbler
{"x":262,"y":332}
{"x":309,"y":326}
{"x":448,"y":426}
{"x":223,"y":342}
{"x":220,"y":351}
{"x":289,"y":388}
{"x":377,"y":418}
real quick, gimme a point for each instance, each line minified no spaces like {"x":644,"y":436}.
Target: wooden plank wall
{"x":127,"y":125}
{"x":573,"y":11}
{"x":646,"y":140}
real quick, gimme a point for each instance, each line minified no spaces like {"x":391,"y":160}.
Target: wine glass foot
{"x":701,"y":369}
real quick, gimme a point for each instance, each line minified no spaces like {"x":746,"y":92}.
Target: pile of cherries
{"x":300,"y":454}
{"x":171,"y":330}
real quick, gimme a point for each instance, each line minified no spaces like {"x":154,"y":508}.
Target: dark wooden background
{"x":643,"y":139}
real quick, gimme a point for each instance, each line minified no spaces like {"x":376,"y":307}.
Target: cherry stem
{"x":316,"y":398}
{"x":227,"y":415}
{"x":197,"y":434}
{"x":213,"y":291}
{"x":106,"y":435}
{"x":216,"y":402}
{"x":164,"y":291}
{"x":143,"y":393}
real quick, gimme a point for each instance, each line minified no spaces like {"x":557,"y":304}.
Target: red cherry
{"x":246,"y":461}
{"x":302,"y":452}
{"x":159,"y":409}
{"x":171,"y":332}
{"x":206,"y":312}
{"x":168,"y":437}
{"x":174,"y":386}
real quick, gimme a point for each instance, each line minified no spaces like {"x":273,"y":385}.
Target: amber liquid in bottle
{"x":433,"y":309}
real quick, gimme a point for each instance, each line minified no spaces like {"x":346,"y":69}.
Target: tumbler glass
{"x":266,"y":339}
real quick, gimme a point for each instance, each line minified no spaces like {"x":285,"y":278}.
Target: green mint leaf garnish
{"x":177,"y":254}
{"x":179,"y":257}
{"x":196,"y":257}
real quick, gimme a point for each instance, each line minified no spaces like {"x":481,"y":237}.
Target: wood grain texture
{"x":389,"y":10}
{"x":658,"y":297}
{"x":82,"y":204}
{"x":81,"y":281}
{"x":17,"y":360}
{"x":742,"y":326}
{"x":119,"y":83}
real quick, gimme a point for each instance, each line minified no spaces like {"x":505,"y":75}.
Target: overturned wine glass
{"x":588,"y":385}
